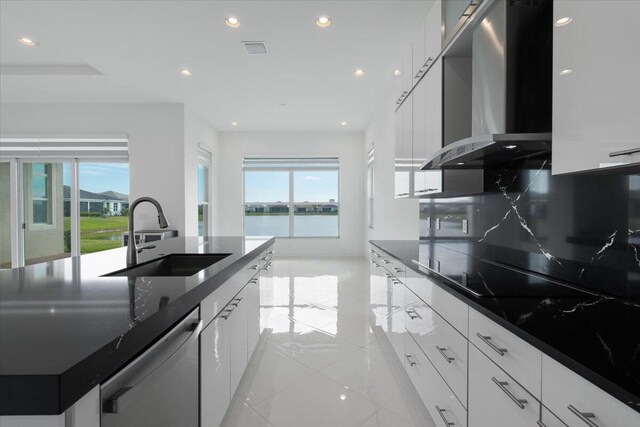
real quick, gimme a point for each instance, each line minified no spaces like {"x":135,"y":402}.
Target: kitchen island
{"x":65,"y":327}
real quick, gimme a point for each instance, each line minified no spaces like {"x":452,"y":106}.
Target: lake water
{"x":304,"y":225}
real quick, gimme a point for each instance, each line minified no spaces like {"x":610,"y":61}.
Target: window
{"x":75,"y":201}
{"x":291,"y":197}
{"x":103,"y":205}
{"x":204,"y":163}
{"x":40,"y":192}
{"x":370,"y":186}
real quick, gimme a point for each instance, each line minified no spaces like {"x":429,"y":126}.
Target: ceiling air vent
{"x":255,"y":48}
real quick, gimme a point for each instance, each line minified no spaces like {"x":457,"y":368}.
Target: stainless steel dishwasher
{"x":160,"y":388}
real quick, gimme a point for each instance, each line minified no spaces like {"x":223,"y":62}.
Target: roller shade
{"x":285,"y":163}
{"x":114,"y":147}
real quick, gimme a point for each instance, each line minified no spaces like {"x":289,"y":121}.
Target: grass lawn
{"x":99,"y":234}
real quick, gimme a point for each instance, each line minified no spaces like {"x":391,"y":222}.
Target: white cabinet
{"x":548,"y":419}
{"x":418,"y":50}
{"x":433,"y":31}
{"x":443,"y":345}
{"x":403,"y":149}
{"x":215,"y":371}
{"x":253,"y":311}
{"x":496,"y":399}
{"x":577,"y":402}
{"x":595,"y":84}
{"x":407,"y":67}
{"x":237,"y":317}
{"x":443,"y":406}
{"x":518,"y":358}
{"x":428,"y":182}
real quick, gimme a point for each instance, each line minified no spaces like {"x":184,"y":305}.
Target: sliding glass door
{"x":47,"y":230}
{"x":5,"y":214}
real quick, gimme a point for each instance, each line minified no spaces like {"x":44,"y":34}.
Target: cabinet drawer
{"x":397,"y":333}
{"x":218,"y":299}
{"x":446,"y":305}
{"x":570,"y":397}
{"x":442,"y":404}
{"x":548,"y":419}
{"x":496,"y":399}
{"x":443,"y":345}
{"x":516,"y":357}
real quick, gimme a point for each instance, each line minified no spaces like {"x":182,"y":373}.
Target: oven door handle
{"x":126,"y":395}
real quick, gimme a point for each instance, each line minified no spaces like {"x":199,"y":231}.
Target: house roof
{"x":105,"y":195}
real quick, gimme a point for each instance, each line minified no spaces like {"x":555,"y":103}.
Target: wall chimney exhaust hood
{"x":511,"y":81}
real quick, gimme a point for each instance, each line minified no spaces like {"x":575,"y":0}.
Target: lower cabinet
{"x":496,"y":399}
{"x":215,"y":371}
{"x":442,"y":404}
{"x":226,"y":345}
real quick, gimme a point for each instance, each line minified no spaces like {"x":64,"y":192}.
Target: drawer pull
{"x":584,"y":416}
{"x":228,"y":313}
{"x":235,"y":302}
{"x":442,"y":350}
{"x":386,"y":261}
{"x":379,"y":255}
{"x":411,"y":362}
{"x":398,"y":270}
{"x":267,"y":266}
{"x":444,"y":419}
{"x":503,"y":386}
{"x":487,"y":340}
{"x":253,"y":267}
{"x":270,"y":252}
{"x":413,"y":314}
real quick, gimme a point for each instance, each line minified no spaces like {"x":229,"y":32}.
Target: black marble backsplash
{"x":583,"y":229}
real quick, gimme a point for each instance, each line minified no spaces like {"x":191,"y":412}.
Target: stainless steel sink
{"x":174,"y":265}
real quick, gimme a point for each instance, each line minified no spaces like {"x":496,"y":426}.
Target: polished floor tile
{"x":367,"y":373}
{"x":319,"y":362}
{"x":386,"y":418}
{"x":242,"y":415}
{"x":316,"y":402}
{"x":268,"y":374}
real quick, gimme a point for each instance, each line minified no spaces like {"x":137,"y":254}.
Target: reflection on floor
{"x":318,"y":362}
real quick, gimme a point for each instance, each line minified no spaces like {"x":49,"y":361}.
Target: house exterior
{"x":108,"y":203}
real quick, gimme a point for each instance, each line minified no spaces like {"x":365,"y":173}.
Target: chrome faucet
{"x":132,"y":248}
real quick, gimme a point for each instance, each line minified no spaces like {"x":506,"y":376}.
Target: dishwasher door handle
{"x":126,"y":395}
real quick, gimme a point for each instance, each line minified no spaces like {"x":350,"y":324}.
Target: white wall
{"x":156,"y":147}
{"x":347,"y":146}
{"x":395,"y":219}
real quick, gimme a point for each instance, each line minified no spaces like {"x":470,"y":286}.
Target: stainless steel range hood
{"x":478,"y":152}
{"x":511,"y":77}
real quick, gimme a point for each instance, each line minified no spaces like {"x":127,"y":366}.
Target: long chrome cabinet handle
{"x":585,"y":417}
{"x":228,"y":313}
{"x":444,"y":419}
{"x":502,"y":385}
{"x":411,"y":362}
{"x":487,"y":340}
{"x":271,"y":252}
{"x":267,"y":266}
{"x":442,"y":350}
{"x":253,"y":267}
{"x":235,"y":302}
{"x":625,"y":152}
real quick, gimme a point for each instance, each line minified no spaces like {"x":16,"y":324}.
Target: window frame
{"x":371,"y":179}
{"x":205,"y":159}
{"x":51,"y":177}
{"x":291,"y":202}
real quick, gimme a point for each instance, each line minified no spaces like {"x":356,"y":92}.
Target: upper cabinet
{"x":454,"y":15}
{"x":595,"y":86}
{"x":403,"y":149}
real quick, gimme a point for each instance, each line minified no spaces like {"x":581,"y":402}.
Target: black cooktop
{"x":487,"y":278}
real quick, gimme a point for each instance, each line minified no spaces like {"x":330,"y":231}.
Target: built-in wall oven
{"x":159,"y":388}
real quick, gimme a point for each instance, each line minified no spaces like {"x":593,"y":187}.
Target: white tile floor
{"x":318,"y":362}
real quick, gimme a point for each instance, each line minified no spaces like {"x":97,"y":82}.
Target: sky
{"x":100,"y":177}
{"x":307,"y":186}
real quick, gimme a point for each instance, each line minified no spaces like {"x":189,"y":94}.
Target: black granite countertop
{"x":596,"y":336}
{"x":65,"y":329}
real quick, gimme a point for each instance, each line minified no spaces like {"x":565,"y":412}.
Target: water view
{"x":303,"y":225}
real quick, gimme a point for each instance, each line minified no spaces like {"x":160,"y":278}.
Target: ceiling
{"x":139,"y":47}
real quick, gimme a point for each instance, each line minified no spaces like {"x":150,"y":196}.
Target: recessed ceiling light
{"x":232,"y":22}
{"x":186,"y":73}
{"x":27,"y":42}
{"x":510,"y":147}
{"x":343,"y":123}
{"x":234,"y":124}
{"x":323,"y":21}
{"x":397,"y":72}
{"x":563,"y":21}
{"x":343,"y":397}
{"x":460,"y":163}
{"x":359,"y":72}
{"x":565,"y":72}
